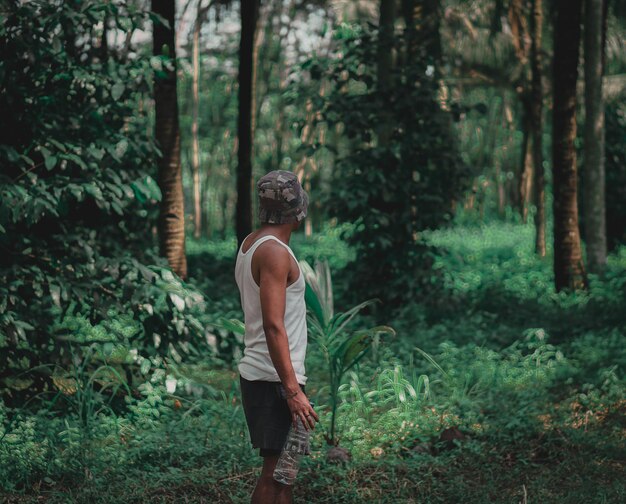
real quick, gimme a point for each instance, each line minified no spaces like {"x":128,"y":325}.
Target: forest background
{"x":464,"y":250}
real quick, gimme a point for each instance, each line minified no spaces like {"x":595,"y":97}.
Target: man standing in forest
{"x":271,"y":287}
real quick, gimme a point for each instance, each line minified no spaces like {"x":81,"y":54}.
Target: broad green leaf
{"x":361,"y":341}
{"x":154,"y":191}
{"x":139,"y":194}
{"x":232,"y":325}
{"x":343,"y":319}
{"x":50,"y":160}
{"x":117,"y":208}
{"x":179,"y":325}
{"x":77,"y":160}
{"x":94,"y":191}
{"x":58,"y":144}
{"x":145,"y":366}
{"x":117,"y":90}
{"x":55,"y":293}
{"x":96,"y":152}
{"x":319,"y":292}
{"x":178,"y":301}
{"x":167,"y":275}
{"x":313,"y":303}
{"x":120,"y":148}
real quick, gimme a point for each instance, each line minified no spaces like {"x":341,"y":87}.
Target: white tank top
{"x":256,"y":363}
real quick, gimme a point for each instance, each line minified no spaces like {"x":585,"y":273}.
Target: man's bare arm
{"x":274,"y":265}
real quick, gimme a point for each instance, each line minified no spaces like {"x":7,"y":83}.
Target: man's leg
{"x":268,"y":490}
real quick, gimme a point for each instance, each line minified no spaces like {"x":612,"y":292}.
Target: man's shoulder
{"x":271,"y":253}
{"x":273,"y":245}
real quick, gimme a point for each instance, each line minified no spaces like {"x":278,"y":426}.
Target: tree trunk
{"x":267,"y":45}
{"x":492,"y":131}
{"x":536,"y":91}
{"x":385,"y":64}
{"x":249,"y":16}
{"x":569,"y":271}
{"x":280,"y":129}
{"x":423,"y":19}
{"x":167,"y":134}
{"x":385,"y":43}
{"x":593,"y":167}
{"x":526,"y":172}
{"x":519,"y":29}
{"x":511,"y":183}
{"x":104,"y":42}
{"x":195,"y":158}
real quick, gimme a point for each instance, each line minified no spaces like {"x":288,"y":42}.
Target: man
{"x":271,"y":370}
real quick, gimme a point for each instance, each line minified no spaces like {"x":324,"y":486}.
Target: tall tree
{"x":520,"y":39}
{"x":423,"y":20}
{"x":195,"y":141}
{"x":569,"y":271}
{"x":167,"y":134}
{"x":385,"y":63}
{"x":526,"y":172}
{"x":593,"y":167}
{"x":536,"y":91}
{"x":247,"y":63}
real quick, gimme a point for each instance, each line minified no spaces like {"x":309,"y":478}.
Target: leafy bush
{"x":341,"y":348}
{"x":77,"y":197}
{"x":389,"y":190}
{"x":22,"y":451}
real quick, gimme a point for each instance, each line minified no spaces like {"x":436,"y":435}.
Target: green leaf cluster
{"x":342,"y":348}
{"x":78,"y":196}
{"x":401,"y":170}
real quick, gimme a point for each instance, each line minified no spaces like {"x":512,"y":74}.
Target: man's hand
{"x":300,"y":407}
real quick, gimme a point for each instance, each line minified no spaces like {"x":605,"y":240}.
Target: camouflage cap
{"x":281,"y":198}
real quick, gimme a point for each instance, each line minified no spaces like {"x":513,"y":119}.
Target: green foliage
{"x":326,"y":245}
{"x":217,"y":131}
{"x":530,"y":407}
{"x":22,"y":452}
{"x":72,"y":175}
{"x":78,"y":197}
{"x":109,"y":360}
{"x":390,"y":189}
{"x":341,"y":347}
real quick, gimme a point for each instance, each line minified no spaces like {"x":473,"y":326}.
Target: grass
{"x":529,"y":384}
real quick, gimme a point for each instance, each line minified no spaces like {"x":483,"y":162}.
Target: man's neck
{"x":280,"y":231}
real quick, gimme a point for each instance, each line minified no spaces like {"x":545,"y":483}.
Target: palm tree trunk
{"x":569,"y":272}
{"x":593,"y":167}
{"x":536,"y":26}
{"x":167,"y":134}
{"x":249,"y":17}
{"x":195,"y":141}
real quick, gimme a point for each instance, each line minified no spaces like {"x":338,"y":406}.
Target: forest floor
{"x":524,"y":401}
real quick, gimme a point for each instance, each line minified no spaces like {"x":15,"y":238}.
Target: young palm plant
{"x":341,"y":348}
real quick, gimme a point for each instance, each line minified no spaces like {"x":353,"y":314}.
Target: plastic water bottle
{"x":288,"y":464}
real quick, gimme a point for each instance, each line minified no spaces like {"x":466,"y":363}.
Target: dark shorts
{"x":267,"y":415}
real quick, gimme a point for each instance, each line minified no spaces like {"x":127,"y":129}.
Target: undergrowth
{"x":510,"y":394}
